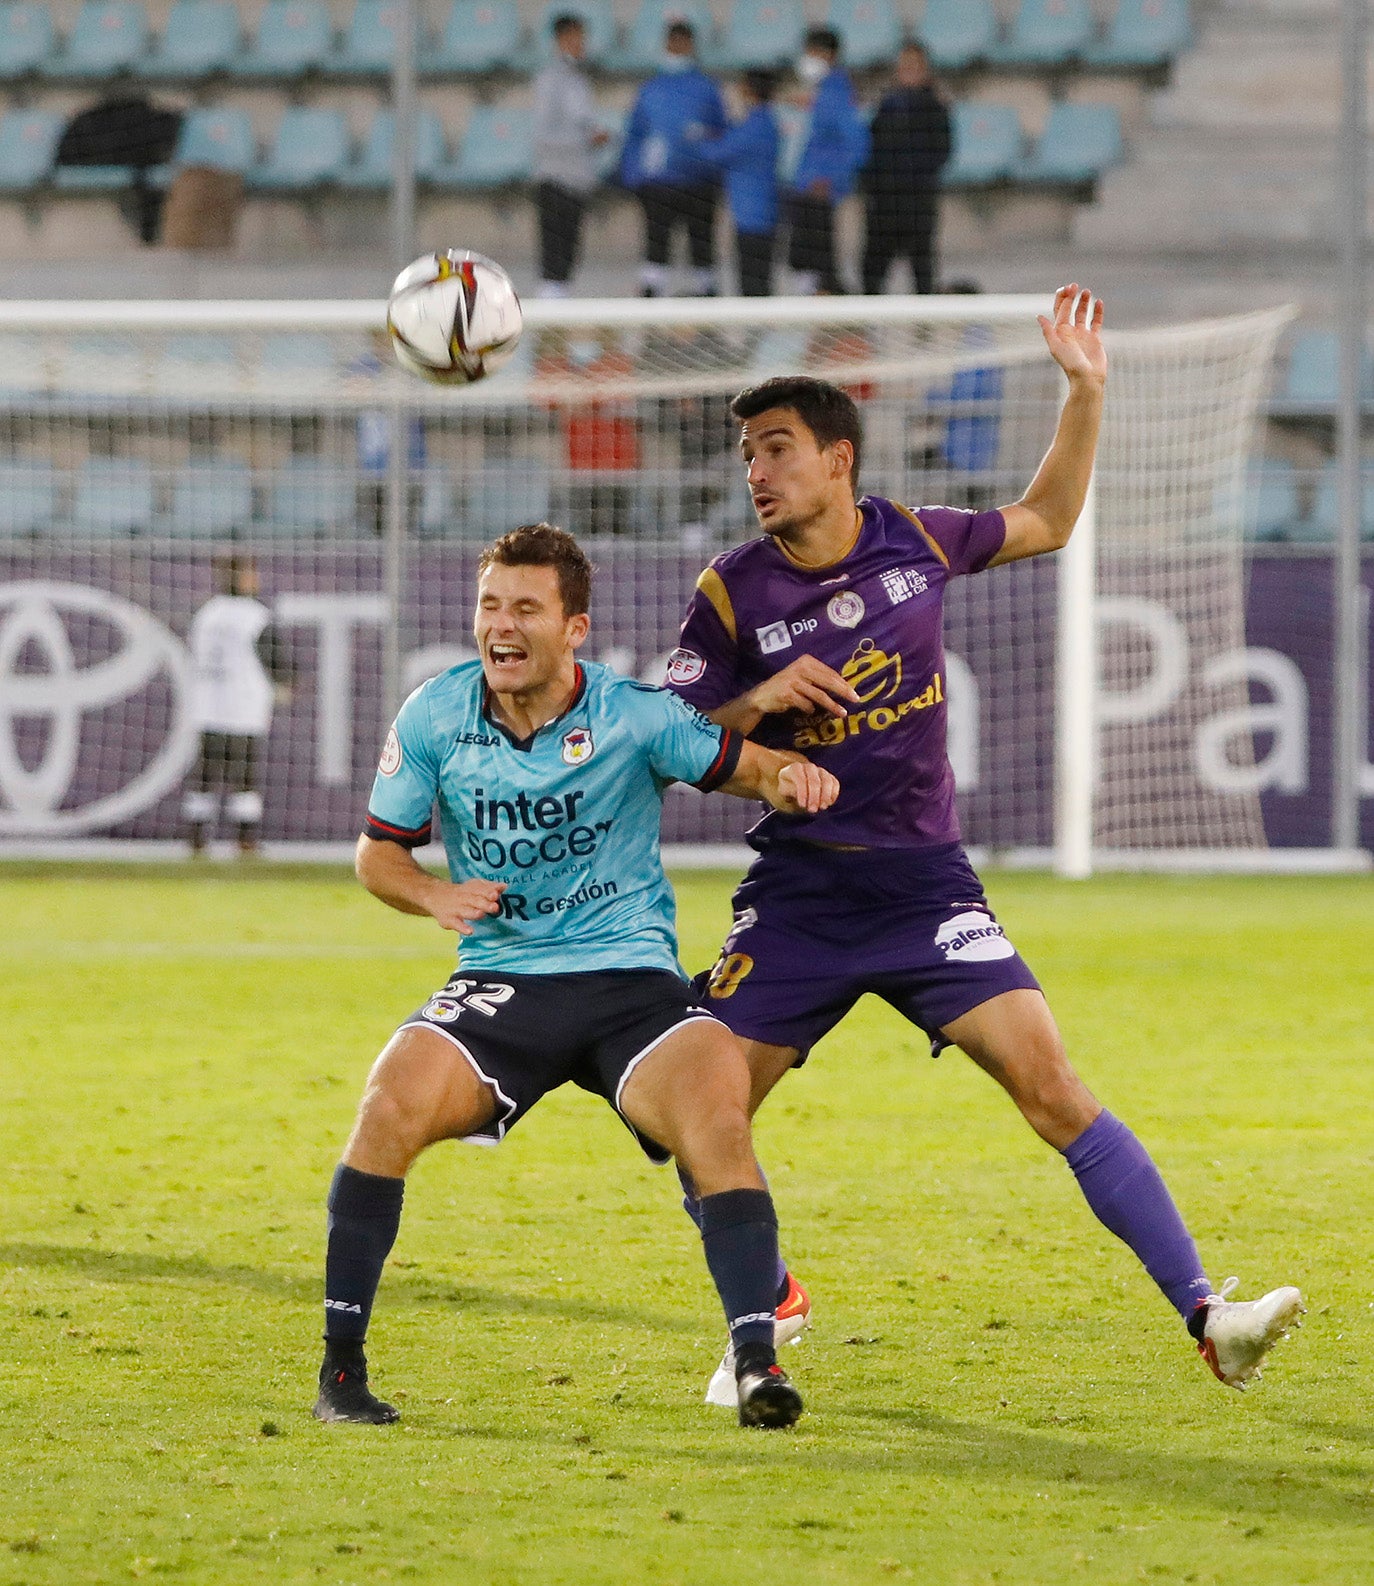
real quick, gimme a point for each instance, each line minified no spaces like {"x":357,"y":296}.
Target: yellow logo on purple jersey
{"x":831,"y":730}
{"x":873,"y":673}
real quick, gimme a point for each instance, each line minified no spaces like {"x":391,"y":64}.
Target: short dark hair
{"x":760,"y":83}
{"x":565,"y":22}
{"x":822,"y":39}
{"x":680,"y":29}
{"x":828,"y":412}
{"x":543,"y":545}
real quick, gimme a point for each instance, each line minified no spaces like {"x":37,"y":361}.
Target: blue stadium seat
{"x":299,"y":353}
{"x":92,"y":178}
{"x":495,"y":151}
{"x":478,"y":36}
{"x":958,"y":32}
{"x":1046,"y":33}
{"x":987,"y":145}
{"x":114,"y":496}
{"x":761,"y":33}
{"x":196,"y":358}
{"x":202,"y":37}
{"x":28,"y":499}
{"x":222,"y":139}
{"x":210,"y":499}
{"x":1327,"y":505}
{"x":310,"y":149}
{"x":107,"y":38}
{"x":515,"y":490}
{"x":871,"y":30}
{"x":308,"y":497}
{"x":371,"y":171}
{"x":28,"y":141}
{"x":1314,"y":376}
{"x":644,"y":42}
{"x":27,"y":38}
{"x":600,"y":24}
{"x":1079,"y":143}
{"x":368,"y":46}
{"x":294,"y":37}
{"x":1270,"y":508}
{"x":1144,"y":33}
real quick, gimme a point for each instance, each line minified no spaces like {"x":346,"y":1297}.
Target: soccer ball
{"x":453,"y":317}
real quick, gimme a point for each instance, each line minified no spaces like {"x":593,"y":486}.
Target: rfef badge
{"x":577,"y":746}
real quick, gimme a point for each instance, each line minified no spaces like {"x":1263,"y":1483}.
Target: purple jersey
{"x":877,"y":617}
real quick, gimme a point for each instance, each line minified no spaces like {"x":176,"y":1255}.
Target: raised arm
{"x":390,"y":872}
{"x":1043,"y":519}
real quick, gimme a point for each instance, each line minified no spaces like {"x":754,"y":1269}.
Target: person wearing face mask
{"x":901,"y":181}
{"x":673,"y":113}
{"x":834,"y":150}
{"x":748,"y":155}
{"x":567,"y":135}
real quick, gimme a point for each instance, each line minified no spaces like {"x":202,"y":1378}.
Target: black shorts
{"x":526,"y":1035}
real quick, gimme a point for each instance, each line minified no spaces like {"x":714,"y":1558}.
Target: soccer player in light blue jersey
{"x":549,"y":776}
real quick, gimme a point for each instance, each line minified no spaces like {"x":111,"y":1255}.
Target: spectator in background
{"x":567,"y":135}
{"x":239,"y":671}
{"x":834,"y":151}
{"x":661,"y":163}
{"x":748,"y":155}
{"x":909,"y":146}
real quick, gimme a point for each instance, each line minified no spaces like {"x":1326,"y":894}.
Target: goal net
{"x":1097,"y":709}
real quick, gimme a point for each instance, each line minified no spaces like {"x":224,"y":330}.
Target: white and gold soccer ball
{"x":453,"y":317}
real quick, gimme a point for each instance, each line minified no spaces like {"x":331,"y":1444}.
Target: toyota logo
{"x":43,"y":680}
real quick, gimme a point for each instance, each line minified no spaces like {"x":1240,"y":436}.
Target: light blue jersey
{"x":568,"y":818}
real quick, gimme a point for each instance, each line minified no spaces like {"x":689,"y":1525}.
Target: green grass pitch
{"x":995,"y":1392}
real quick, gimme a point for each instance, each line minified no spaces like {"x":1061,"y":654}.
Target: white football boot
{"x":1237,"y":1335}
{"x":790,"y":1320}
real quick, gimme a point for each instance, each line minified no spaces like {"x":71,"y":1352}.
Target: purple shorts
{"x":815,"y":928}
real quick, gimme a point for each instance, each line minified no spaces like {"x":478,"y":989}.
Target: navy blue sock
{"x":739,"y":1233}
{"x":691,"y":1204}
{"x":1125,"y":1190}
{"x":364,"y":1215}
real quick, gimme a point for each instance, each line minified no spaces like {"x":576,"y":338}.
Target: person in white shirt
{"x":240,"y":671}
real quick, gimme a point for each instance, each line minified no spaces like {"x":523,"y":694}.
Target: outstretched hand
{"x":1074,"y":335}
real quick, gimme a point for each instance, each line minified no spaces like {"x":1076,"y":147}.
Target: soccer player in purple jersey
{"x":825,"y":635}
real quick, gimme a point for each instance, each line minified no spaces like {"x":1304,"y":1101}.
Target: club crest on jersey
{"x":390,"y":763}
{"x":685,"y":666}
{"x":577,"y":746}
{"x":901,"y":583}
{"x":845,"y":610}
{"x":774,"y":637}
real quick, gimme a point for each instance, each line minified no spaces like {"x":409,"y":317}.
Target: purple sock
{"x":1126,"y":1193}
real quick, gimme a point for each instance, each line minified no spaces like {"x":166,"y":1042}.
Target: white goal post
{"x":1101,"y":710}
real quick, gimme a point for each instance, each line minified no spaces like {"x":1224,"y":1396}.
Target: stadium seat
{"x":195,"y":360}
{"x":294,"y":37}
{"x":1143,"y":34}
{"x":781,"y":350}
{"x":310,"y":149}
{"x":1326,"y":507}
{"x":600,"y":24}
{"x":495,"y":151}
{"x":958,"y":32}
{"x":1313,"y":380}
{"x":114,"y":496}
{"x":1079,"y":143}
{"x":478,"y":36}
{"x":871,"y":30}
{"x":644,"y":42}
{"x":371,"y":171}
{"x":92,"y":178}
{"x":515,"y":490}
{"x":761,"y":33}
{"x":27,"y":38}
{"x":1270,"y":509}
{"x":368,"y":46}
{"x":210,"y":499}
{"x":28,"y":499}
{"x":202,"y":37}
{"x":308,"y":497}
{"x":1046,"y":33}
{"x":987,"y":145}
{"x":28,"y":141}
{"x":107,"y":38}
{"x":220,"y":138}
{"x":299,"y":354}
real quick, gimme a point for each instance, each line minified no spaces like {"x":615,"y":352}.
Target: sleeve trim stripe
{"x":723,"y":767}
{"x":385,"y":831}
{"x":926,"y":535}
{"x":712,"y":585}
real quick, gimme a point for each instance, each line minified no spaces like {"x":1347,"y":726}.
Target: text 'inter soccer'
{"x":453,"y":317}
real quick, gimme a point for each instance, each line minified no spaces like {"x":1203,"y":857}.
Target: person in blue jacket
{"x":748,"y":155}
{"x":673,"y":112}
{"x":832,"y":155}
